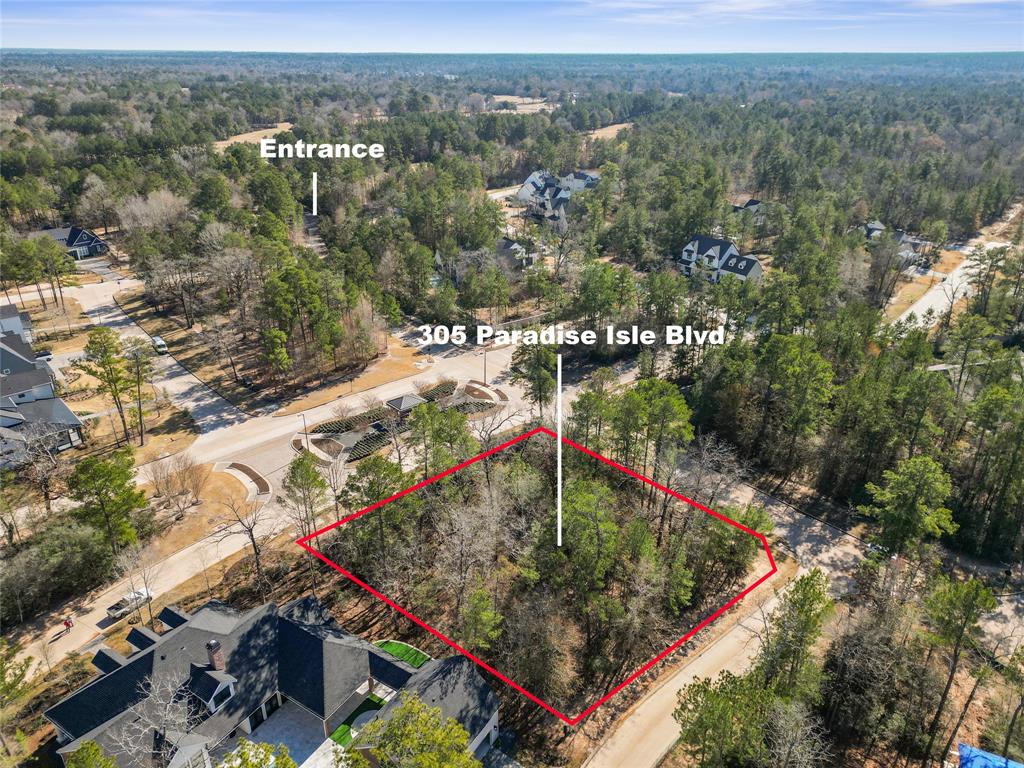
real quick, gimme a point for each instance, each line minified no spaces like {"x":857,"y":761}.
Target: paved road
{"x":43,"y":639}
{"x":647,"y":732}
{"x":957,"y":285}
{"x":262,"y":442}
{"x":209,"y":410}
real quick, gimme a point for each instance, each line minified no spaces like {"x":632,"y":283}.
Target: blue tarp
{"x":972,"y":757}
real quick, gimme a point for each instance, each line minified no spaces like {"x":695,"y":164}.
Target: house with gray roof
{"x":31,"y":414}
{"x":80,"y":243}
{"x":718,"y":258}
{"x":13,"y":320}
{"x":547,"y":196}
{"x":225,"y":673}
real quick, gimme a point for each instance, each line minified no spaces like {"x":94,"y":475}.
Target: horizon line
{"x":22,"y":49}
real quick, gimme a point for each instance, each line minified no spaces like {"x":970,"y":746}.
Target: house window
{"x":220,"y":697}
{"x":272,"y":705}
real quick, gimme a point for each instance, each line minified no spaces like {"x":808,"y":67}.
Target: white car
{"x":130,"y":602}
{"x":159,"y":345}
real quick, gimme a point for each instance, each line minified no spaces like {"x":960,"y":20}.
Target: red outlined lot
{"x":305,"y":543}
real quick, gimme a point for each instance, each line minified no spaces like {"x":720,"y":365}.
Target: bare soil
{"x":401,"y":362}
{"x":609,"y":131}
{"x":250,"y":137}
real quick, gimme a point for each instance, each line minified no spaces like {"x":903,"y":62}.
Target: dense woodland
{"x":475,"y":555}
{"x":812,"y":391}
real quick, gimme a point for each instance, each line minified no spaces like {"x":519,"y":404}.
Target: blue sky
{"x":518,"y":26}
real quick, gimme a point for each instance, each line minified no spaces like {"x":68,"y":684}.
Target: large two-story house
{"x":232,"y":671}
{"x":30,"y":411}
{"x":80,"y":243}
{"x":547,"y":196}
{"x":719,"y":258}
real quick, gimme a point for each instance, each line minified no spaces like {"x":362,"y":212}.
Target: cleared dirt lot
{"x":251,"y":137}
{"x":609,"y":131}
{"x":402,"y":361}
{"x":525,"y":105}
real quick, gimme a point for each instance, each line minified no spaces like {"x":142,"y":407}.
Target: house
{"x":80,"y":243}
{"x":30,"y":411}
{"x":873,"y":229}
{"x":15,"y":321}
{"x":755,"y":208}
{"x":513,"y":257}
{"x":510,"y":257}
{"x":719,"y":257}
{"x":230,"y":672}
{"x":547,"y":196}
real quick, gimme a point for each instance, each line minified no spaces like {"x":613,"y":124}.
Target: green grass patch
{"x":343,"y":733}
{"x":414,"y":657}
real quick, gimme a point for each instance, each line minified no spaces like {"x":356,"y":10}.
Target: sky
{"x":517,"y":26}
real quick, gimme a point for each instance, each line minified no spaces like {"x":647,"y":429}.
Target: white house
{"x":547,"y":196}
{"x":720,"y":257}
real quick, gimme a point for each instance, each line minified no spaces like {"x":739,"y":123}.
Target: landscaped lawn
{"x":414,"y":657}
{"x":343,"y":733}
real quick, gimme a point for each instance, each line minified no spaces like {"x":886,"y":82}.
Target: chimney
{"x":216,"y":655}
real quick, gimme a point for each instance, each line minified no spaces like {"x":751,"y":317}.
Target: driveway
{"x":301,"y":732}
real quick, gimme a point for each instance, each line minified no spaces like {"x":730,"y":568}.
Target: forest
{"x":475,"y":555}
{"x":910,"y":431}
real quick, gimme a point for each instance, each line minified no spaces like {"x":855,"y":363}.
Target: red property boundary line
{"x":303,"y":542}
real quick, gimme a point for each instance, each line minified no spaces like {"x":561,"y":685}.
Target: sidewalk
{"x":45,"y":639}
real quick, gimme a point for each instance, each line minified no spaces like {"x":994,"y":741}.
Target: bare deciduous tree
{"x":795,"y":737}
{"x":165,"y":708}
{"x":141,"y":567}
{"x":186,"y":482}
{"x":252,"y":518}
{"x":159,"y":475}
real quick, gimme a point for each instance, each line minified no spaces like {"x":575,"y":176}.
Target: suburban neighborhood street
{"x":263,"y":442}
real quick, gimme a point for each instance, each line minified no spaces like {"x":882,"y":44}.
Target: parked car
{"x":159,"y":345}
{"x":130,"y":602}
{"x":44,"y":355}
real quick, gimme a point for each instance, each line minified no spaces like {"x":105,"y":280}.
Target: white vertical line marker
{"x":314,"y":193}
{"x":558,"y":461}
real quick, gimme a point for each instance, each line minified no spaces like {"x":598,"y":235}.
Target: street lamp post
{"x":305,"y":432}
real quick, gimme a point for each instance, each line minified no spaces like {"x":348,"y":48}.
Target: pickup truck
{"x":130,"y":602}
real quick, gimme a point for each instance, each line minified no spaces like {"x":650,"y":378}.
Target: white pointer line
{"x":558,"y":460}
{"x":314,"y":193}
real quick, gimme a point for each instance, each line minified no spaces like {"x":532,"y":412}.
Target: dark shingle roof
{"x":705,"y":243}
{"x":405,"y":402}
{"x":49,"y":411}
{"x":12,"y":343}
{"x":107,"y":660}
{"x":68,"y":236}
{"x":299,"y":650}
{"x":457,"y":687}
{"x":321,"y":664}
{"x":172,"y":616}
{"x":249,"y":646}
{"x":204,"y":682}
{"x":13,"y":383}
{"x":142,"y":637}
{"x":739,"y":265}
